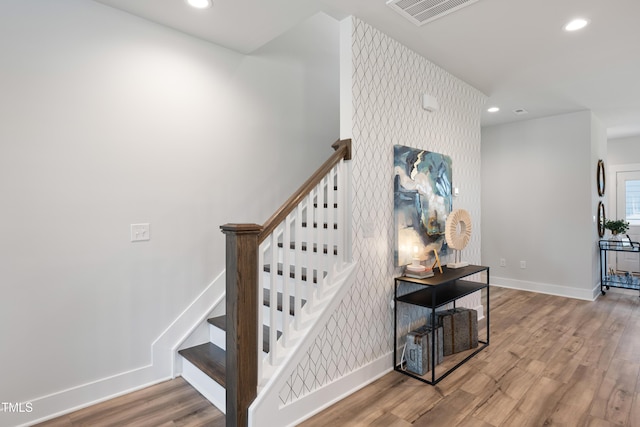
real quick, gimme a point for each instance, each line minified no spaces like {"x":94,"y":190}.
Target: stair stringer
{"x":266,"y":409}
{"x":164,"y":350}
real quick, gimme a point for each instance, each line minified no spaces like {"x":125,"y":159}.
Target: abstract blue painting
{"x":422,"y":202}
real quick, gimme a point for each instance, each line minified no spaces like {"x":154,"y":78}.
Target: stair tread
{"x":292,"y":274}
{"x":210,"y":359}
{"x":324,"y":225}
{"x":267,"y":301}
{"x":304,"y":246}
{"x":221,"y":322}
{"x":325,"y":205}
{"x":335,"y":187}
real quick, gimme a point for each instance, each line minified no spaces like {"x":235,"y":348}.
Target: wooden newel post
{"x":242,"y":320}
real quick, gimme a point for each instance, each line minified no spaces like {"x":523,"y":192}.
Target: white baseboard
{"x":75,"y":398}
{"x":546,"y":288}
{"x":161,"y":368}
{"x":321,"y":399}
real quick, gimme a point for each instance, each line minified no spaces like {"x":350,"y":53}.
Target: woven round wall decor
{"x":457,"y":229}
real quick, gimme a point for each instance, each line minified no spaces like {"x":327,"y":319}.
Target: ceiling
{"x":514,"y":51}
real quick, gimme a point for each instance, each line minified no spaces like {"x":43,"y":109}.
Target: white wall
{"x":538,"y":202}
{"x":388,"y":81}
{"x":109,"y":120}
{"x":622,"y":151}
{"x":598,"y":152}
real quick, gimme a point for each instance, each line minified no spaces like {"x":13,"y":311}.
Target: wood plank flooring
{"x":552,"y":362}
{"x":168,"y":404}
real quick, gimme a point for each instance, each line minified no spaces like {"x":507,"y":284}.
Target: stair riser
{"x":304,"y":260}
{"x":320,"y":215}
{"x":311,"y":231}
{"x":218,"y":337}
{"x":306,"y":252}
{"x":266,"y":318}
{"x":210,"y":389}
{"x":307,"y":279}
{"x":279,"y":285}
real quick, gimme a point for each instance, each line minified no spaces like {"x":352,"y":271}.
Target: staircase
{"x":286,"y":276}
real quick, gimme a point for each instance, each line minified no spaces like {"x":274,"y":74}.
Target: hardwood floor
{"x":552,"y":361}
{"x":171,"y":403}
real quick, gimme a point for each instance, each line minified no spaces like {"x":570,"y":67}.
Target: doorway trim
{"x":612,"y":200}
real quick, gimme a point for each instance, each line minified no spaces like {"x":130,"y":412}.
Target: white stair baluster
{"x":273,"y":297}
{"x":299,"y":261}
{"x":311,"y":236}
{"x":286,"y":278}
{"x":321,"y":237}
{"x":340,"y":260}
{"x":261,"y":284}
{"x":331,"y":220}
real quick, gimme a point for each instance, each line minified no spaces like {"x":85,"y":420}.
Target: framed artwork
{"x":422,"y":202}
{"x":600,"y":178}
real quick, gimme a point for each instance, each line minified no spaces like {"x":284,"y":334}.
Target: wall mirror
{"x":601,"y":219}
{"x":600,"y":178}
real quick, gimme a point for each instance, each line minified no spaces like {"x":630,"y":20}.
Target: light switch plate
{"x":140,"y":232}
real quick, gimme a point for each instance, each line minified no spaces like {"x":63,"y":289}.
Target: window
{"x":632,"y":196}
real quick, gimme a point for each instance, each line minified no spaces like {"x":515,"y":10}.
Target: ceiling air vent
{"x":422,"y":11}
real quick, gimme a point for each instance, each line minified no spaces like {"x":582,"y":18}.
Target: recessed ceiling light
{"x":493,"y":109}
{"x":576,"y":24}
{"x":199,"y":4}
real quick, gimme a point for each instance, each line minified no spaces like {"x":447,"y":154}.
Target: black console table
{"x":433,"y":293}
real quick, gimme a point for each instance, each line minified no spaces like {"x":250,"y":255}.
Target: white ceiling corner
{"x":514,"y":51}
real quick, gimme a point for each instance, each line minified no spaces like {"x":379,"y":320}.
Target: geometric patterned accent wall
{"x":388,"y":83}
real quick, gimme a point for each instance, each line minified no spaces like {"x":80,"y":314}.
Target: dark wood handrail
{"x":242,"y":305}
{"x":342,"y":151}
